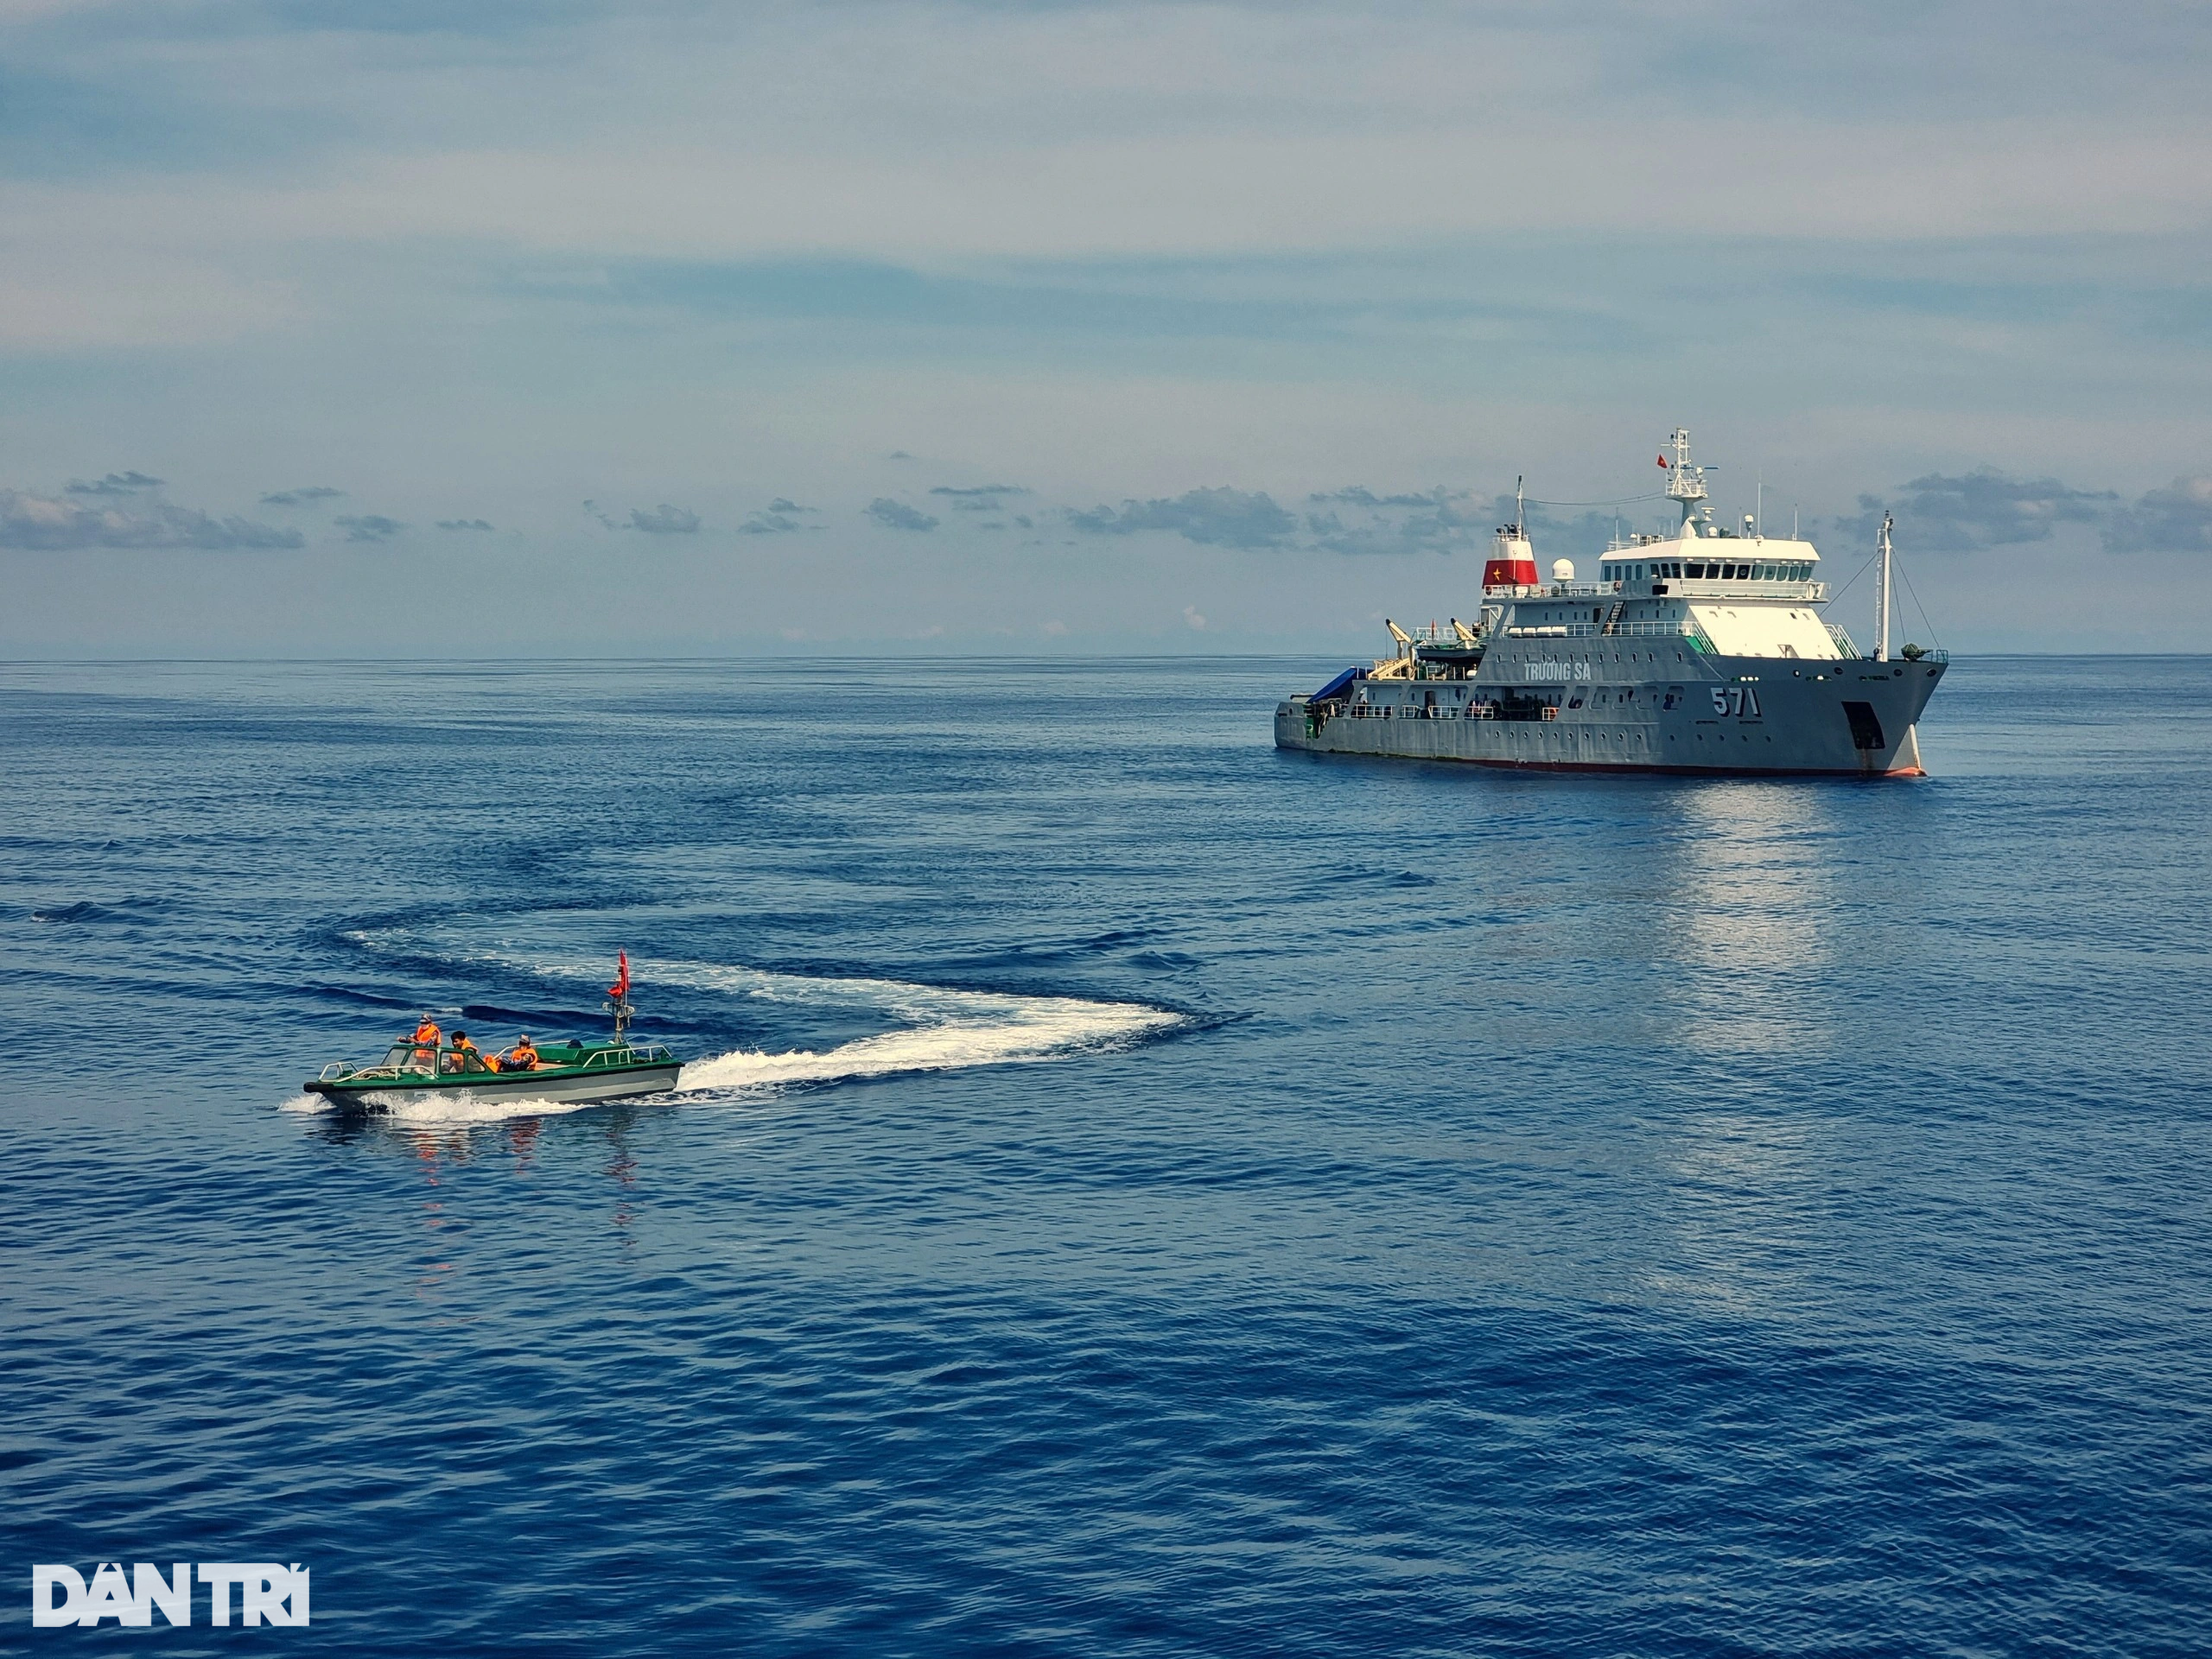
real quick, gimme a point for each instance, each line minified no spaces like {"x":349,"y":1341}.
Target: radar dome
{"x":1562,"y":569}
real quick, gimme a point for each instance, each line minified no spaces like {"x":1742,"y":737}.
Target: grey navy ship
{"x":1702,"y":651}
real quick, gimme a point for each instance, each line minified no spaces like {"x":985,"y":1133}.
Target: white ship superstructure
{"x":1704,"y":650}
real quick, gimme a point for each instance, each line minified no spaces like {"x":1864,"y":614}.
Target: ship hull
{"x":579,"y":1086}
{"x":1730,"y":715}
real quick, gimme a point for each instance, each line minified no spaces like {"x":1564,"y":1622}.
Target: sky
{"x":395,"y":329}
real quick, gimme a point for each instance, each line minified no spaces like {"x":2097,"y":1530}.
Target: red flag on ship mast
{"x":1663,"y":462}
{"x":621,"y":988}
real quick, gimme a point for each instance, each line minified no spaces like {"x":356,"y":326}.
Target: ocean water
{"x":1134,"y":1193}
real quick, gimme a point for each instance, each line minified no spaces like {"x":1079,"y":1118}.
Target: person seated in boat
{"x":425,"y":1040}
{"x":522,"y":1057}
{"x":466,"y":1057}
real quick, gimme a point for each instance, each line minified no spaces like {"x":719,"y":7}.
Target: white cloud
{"x":51,"y":524}
{"x":664,"y":520}
{"x":2176,"y":519}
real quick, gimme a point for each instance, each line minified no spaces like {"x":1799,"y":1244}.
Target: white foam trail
{"x":981,"y":1030}
{"x":457,"y":1109}
{"x":946,"y":1029}
{"x":466,"y":1108}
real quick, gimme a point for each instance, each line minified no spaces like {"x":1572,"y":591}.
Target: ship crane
{"x":1399,"y":667}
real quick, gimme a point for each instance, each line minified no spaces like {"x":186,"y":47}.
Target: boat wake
{"x":950,"y":1030}
{"x":463,"y":1108}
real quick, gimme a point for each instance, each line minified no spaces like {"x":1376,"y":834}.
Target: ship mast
{"x":618,"y":1002}
{"x":1512,"y":562}
{"x":1684,"y":483}
{"x":1882,"y":598}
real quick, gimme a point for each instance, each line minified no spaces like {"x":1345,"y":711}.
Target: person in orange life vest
{"x":522,"y":1057}
{"x":427,"y":1038}
{"x":466,"y":1057}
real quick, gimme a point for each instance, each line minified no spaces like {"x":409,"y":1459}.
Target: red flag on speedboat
{"x":621,"y":988}
{"x":1663,"y":462}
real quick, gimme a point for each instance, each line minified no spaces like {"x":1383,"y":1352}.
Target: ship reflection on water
{"x":442,"y":1151}
{"x":1761,"y":925}
{"x":1752,"y":919}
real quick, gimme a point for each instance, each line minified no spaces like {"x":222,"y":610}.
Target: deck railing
{"x":1687,"y":627}
{"x":608,"y":1056}
{"x":345,"y":1071}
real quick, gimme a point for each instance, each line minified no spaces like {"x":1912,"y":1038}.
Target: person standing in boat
{"x":427,"y":1038}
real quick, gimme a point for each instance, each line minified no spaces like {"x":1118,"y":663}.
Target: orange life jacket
{"x":428,"y":1031}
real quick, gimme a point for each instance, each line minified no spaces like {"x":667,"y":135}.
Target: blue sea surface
{"x":1136,"y":1192}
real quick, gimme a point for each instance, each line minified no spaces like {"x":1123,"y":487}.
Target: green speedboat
{"x":425,"y":1067}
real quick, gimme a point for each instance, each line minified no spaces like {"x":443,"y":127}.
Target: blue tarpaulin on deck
{"x":1335,"y":688}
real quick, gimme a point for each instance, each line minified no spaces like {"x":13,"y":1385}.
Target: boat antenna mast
{"x":1685,"y":482}
{"x":618,"y":1000}
{"x":1882,"y":597}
